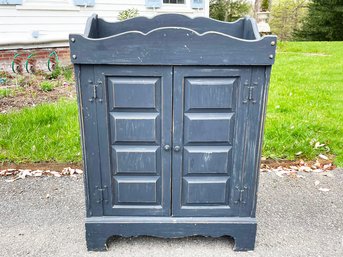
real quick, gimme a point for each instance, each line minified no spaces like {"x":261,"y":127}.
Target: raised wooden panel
{"x":139,"y":190}
{"x":133,"y":92}
{"x":209,"y":93}
{"x":211,"y":160}
{"x":205,"y":191}
{"x":129,"y":159}
{"x":207,"y":127}
{"x":134,"y":127}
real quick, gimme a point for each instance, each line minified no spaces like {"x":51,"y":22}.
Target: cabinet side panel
{"x":254,"y":136}
{"x":89,"y":139}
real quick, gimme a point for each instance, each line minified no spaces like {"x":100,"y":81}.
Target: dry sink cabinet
{"x":171,"y":111}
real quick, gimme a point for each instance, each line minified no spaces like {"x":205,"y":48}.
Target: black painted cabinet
{"x":171,"y":113}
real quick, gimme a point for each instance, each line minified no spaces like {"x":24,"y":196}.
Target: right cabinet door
{"x":209,"y":114}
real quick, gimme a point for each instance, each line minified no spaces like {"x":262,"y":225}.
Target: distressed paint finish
{"x":171,"y":113}
{"x":135,"y":119}
{"x":208,"y":131}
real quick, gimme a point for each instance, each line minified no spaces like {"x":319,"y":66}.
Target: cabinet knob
{"x":166,"y":147}
{"x":177,"y":148}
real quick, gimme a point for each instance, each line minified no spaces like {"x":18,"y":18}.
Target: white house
{"x":47,"y":23}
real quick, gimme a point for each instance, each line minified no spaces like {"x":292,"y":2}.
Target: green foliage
{"x":265,"y":5}
{"x":286,"y":16}
{"x":4,"y":92}
{"x":324,"y":21}
{"x":128,"y":14}
{"x":48,"y":132}
{"x":46,"y":86}
{"x":68,"y":73}
{"x":56,"y":72}
{"x":305,"y":101}
{"x":229,"y":10}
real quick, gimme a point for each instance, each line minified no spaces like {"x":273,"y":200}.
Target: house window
{"x":173,"y":1}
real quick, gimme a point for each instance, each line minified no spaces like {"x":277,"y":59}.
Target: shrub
{"x":128,"y":14}
{"x":46,"y":86}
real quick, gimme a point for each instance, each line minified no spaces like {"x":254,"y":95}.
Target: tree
{"x":286,"y":16}
{"x":265,"y":5}
{"x":128,"y":14}
{"x":229,"y":10}
{"x":324,"y":21}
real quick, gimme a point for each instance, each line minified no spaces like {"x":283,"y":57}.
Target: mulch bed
{"x":30,"y":96}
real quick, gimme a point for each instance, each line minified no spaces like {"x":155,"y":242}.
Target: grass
{"x":46,"y":86}
{"x":305,"y":107}
{"x":48,"y":132}
{"x":306,"y":101}
{"x":5,"y":92}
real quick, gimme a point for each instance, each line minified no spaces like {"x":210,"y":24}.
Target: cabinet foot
{"x":246,"y":241}
{"x":96,"y":242}
{"x":100,"y":229}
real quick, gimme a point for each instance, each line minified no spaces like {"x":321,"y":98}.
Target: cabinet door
{"x":208,"y":140}
{"x":134,"y":109}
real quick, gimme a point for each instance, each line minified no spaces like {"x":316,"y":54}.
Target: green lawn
{"x":306,"y":101}
{"x":305,"y":106}
{"x":48,"y":132}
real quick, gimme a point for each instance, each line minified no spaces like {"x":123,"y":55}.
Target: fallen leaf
{"x":317,"y":170}
{"x":317,"y":164}
{"x":55,"y":173}
{"x":78,"y":171}
{"x":37,"y":173}
{"x":24,"y":173}
{"x":327,"y":166}
{"x":317,"y":145}
{"x":324,"y":157}
{"x":305,"y":168}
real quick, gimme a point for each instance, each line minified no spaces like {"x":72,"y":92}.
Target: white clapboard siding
{"x":54,"y":20}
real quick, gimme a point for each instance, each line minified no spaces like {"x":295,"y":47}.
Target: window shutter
{"x":11,"y":2}
{"x":198,"y":4}
{"x":153,"y":3}
{"x":84,"y":2}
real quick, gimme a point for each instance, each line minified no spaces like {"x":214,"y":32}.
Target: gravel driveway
{"x":44,"y":217}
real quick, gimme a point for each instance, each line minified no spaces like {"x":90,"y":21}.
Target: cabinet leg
{"x":96,"y":242}
{"x":245,"y":241}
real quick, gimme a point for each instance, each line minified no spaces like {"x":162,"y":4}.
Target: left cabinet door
{"x":134,"y":117}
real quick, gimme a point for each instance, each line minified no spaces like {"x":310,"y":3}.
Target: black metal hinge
{"x":250,"y":88}
{"x":102,"y":193}
{"x":242,"y":194}
{"x":95,"y":91}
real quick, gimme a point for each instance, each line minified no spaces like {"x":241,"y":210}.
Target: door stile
{"x":90,"y":147}
{"x":178,"y":95}
{"x":253,"y":138}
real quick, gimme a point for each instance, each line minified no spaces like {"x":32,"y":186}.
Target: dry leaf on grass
{"x":324,"y":157}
